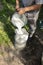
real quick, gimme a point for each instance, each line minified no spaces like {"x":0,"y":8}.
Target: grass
{"x":6,"y":28}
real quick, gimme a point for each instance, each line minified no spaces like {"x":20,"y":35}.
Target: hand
{"x":17,"y":7}
{"x":21,"y":11}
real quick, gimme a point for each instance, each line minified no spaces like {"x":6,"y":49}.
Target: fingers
{"x":21,"y":11}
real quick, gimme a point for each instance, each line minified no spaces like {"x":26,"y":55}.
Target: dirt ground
{"x":8,"y":56}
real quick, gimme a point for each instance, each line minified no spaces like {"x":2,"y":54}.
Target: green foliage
{"x":6,"y":28}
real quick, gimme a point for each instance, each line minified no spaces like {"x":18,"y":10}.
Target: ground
{"x":8,"y":56}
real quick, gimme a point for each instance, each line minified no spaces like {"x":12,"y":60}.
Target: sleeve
{"x":39,"y":1}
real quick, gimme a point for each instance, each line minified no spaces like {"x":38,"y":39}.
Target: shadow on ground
{"x":32,"y":53}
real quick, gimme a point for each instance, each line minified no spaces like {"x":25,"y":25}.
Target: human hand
{"x":21,"y":11}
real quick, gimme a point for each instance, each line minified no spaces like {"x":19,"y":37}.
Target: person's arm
{"x":30,"y":8}
{"x":17,"y":4}
{"x":33,"y":7}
